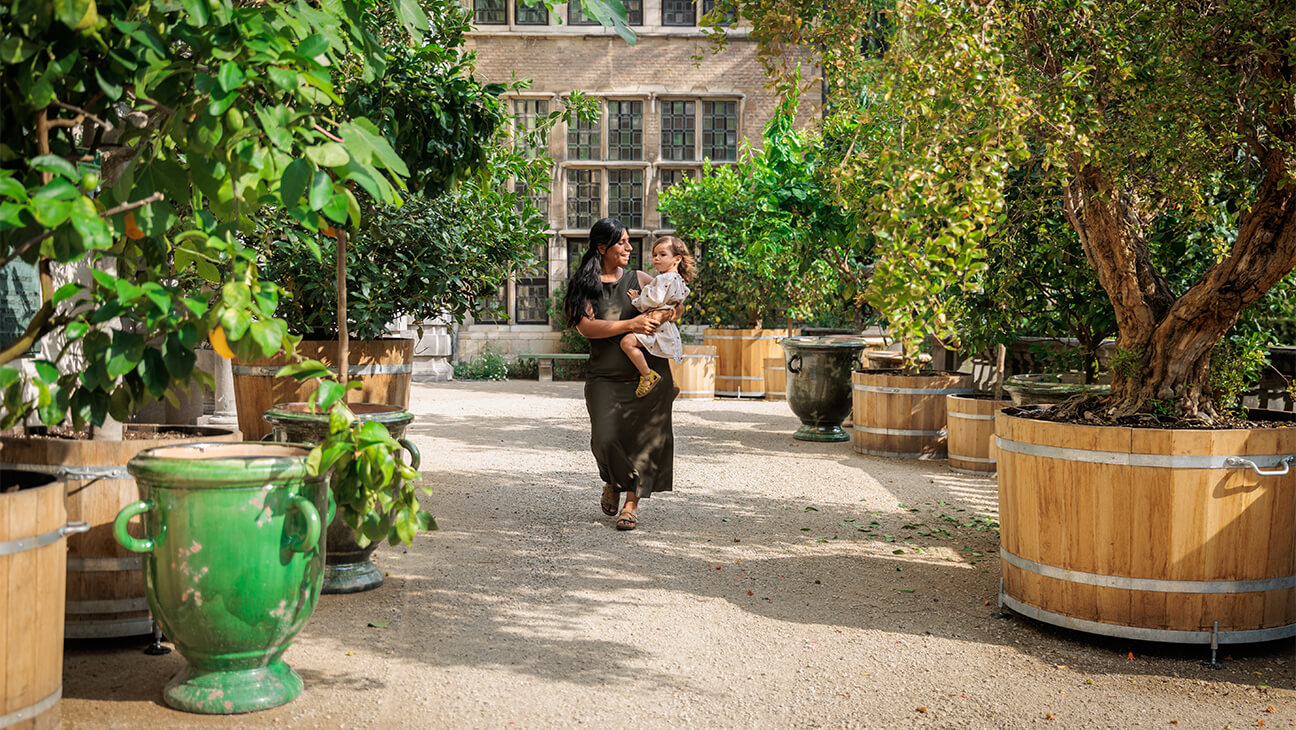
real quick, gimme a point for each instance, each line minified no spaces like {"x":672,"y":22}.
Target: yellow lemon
{"x":217,"y":339}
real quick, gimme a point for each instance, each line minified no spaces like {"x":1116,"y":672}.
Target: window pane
{"x":526,"y":113}
{"x":539,"y":197}
{"x":575,"y":251}
{"x":532,"y":290}
{"x":492,"y":309}
{"x":625,"y":196}
{"x":634,"y":11}
{"x":537,"y":14}
{"x":576,"y":15}
{"x":728,"y":18}
{"x":625,"y":130}
{"x":584,"y":198}
{"x":720,"y":130}
{"x":489,"y":12}
{"x":678,"y":130}
{"x":678,"y":12}
{"x":583,"y":140}
{"x":636,"y":246}
{"x":667,"y":177}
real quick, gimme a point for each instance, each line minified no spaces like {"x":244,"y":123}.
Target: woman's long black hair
{"x":584,"y":287}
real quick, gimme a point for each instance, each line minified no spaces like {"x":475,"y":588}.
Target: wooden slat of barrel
{"x":1165,"y":522}
{"x":695,"y":375}
{"x":31,"y":617}
{"x":257,"y":391}
{"x":775,"y":378}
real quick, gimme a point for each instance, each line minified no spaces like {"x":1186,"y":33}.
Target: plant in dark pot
{"x":1157,"y":113}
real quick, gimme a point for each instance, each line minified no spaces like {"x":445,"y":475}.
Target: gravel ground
{"x":782,"y":584}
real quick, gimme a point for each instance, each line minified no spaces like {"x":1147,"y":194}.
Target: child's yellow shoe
{"x":647,"y":383}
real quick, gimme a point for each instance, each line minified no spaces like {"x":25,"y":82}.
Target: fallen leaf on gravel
{"x":1049,"y":716}
{"x":897,"y":552}
{"x":750,"y":593}
{"x":350,"y":653}
{"x":1061,"y":666}
{"x":987,"y":603}
{"x":1260,"y":723}
{"x":1270,"y":709}
{"x":737,"y":540}
{"x":906,"y":590}
{"x":1131,"y":655}
{"x":724,"y":519}
{"x":811,"y":508}
{"x":805,"y":529}
{"x":922,"y":710}
{"x":1174,"y":722}
{"x":379,"y":624}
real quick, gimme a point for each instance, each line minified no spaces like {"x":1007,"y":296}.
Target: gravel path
{"x":782,"y":584}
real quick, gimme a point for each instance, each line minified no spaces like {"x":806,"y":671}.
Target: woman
{"x":631,"y":437}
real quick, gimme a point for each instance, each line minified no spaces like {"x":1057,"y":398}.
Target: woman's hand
{"x":644,"y":324}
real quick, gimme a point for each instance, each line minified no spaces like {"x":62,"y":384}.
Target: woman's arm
{"x":597,"y":329}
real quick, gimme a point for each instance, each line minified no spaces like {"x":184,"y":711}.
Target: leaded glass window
{"x":679,"y":12}
{"x":538,"y":195}
{"x":625,"y":196}
{"x":625,"y":129}
{"x":492,"y":309}
{"x":536,"y":14}
{"x":720,"y":130}
{"x":634,"y":12}
{"x":526,"y":115}
{"x":678,"y":130}
{"x":576,"y":14}
{"x":584,"y":198}
{"x":583,"y":140}
{"x":489,"y":12}
{"x":668,"y":176}
{"x":575,"y":252}
{"x":728,"y":17}
{"x":636,"y":249}
{"x":531,"y":292}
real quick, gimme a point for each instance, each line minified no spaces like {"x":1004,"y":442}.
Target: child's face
{"x":664,"y":258}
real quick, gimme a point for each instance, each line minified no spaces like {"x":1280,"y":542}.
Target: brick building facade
{"x":667,"y":103}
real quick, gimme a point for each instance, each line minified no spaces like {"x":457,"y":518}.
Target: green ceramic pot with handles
{"x":819,"y":383}
{"x":233,"y":563}
{"x":348,"y":568}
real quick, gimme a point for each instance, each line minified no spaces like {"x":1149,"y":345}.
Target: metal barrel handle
{"x":306,"y":543}
{"x":137,"y":545}
{"x":74,"y":527}
{"x":794,"y":359}
{"x":1284,"y":466}
{"x":415,"y":457}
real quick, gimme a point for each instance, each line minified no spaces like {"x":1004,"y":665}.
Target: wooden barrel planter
{"x":1171,"y":535}
{"x":384,"y":368}
{"x":105,"y":585}
{"x":902,"y":416}
{"x":740,"y":359}
{"x":970,"y":441}
{"x":695,"y":375}
{"x":775,"y":379}
{"x":33,"y":568}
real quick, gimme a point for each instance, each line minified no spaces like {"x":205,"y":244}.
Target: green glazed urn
{"x":233,"y":563}
{"x":819,"y":383}
{"x":348,"y":567}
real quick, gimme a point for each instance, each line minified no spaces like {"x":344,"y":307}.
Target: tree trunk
{"x":1164,"y":343}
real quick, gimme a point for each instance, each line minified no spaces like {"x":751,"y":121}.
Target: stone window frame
{"x":520,"y":7}
{"x":497,"y":6}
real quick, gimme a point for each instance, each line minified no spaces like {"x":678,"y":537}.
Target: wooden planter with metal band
{"x":740,"y":359}
{"x":694,"y":375}
{"x":33,"y":567}
{"x":775,"y":378}
{"x":385,"y":369}
{"x":902,"y":416}
{"x":1173,"y":535}
{"x":970,"y":426}
{"x":105,"y":583}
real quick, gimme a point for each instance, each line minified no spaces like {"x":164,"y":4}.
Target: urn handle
{"x":133,"y":544}
{"x":794,"y":368}
{"x":307,"y":543}
{"x":415,"y":457}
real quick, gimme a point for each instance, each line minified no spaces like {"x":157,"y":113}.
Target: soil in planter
{"x":1088,"y":411}
{"x":134,"y":432}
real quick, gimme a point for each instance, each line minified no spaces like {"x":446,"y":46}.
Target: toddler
{"x":667,"y":290}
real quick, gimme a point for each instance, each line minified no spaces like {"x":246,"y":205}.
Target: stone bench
{"x":546,"y":360}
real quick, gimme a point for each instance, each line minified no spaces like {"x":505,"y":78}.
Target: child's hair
{"x":687,"y":266}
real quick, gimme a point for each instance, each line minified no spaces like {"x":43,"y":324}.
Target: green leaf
{"x":56,"y":165}
{"x":304,"y":370}
{"x":329,"y":154}
{"x":76,"y":330}
{"x":269,"y":334}
{"x":379,"y":624}
{"x":8,"y":376}
{"x":124,"y":354}
{"x":66,"y":292}
{"x":293,"y":182}
{"x":46,"y":371}
{"x":412,"y":18}
{"x":321,"y":191}
{"x":231,"y":76}
{"x":426,"y":521}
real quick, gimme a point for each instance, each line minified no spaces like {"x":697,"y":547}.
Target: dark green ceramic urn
{"x":819,"y":383}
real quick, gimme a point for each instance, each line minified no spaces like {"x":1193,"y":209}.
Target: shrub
{"x":489,"y":365}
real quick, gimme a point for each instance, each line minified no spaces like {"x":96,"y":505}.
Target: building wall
{"x":666,"y":64}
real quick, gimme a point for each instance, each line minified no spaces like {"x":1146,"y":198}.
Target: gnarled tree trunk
{"x":1164,"y":342}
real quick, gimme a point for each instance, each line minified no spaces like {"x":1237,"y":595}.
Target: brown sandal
{"x":627,"y":520}
{"x":610,"y":501}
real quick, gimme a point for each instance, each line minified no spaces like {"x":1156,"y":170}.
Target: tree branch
{"x":154,"y":198}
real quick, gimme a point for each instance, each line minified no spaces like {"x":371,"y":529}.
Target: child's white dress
{"x":665,"y":291}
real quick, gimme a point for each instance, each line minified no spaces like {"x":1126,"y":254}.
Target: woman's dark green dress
{"x":631,"y":437}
